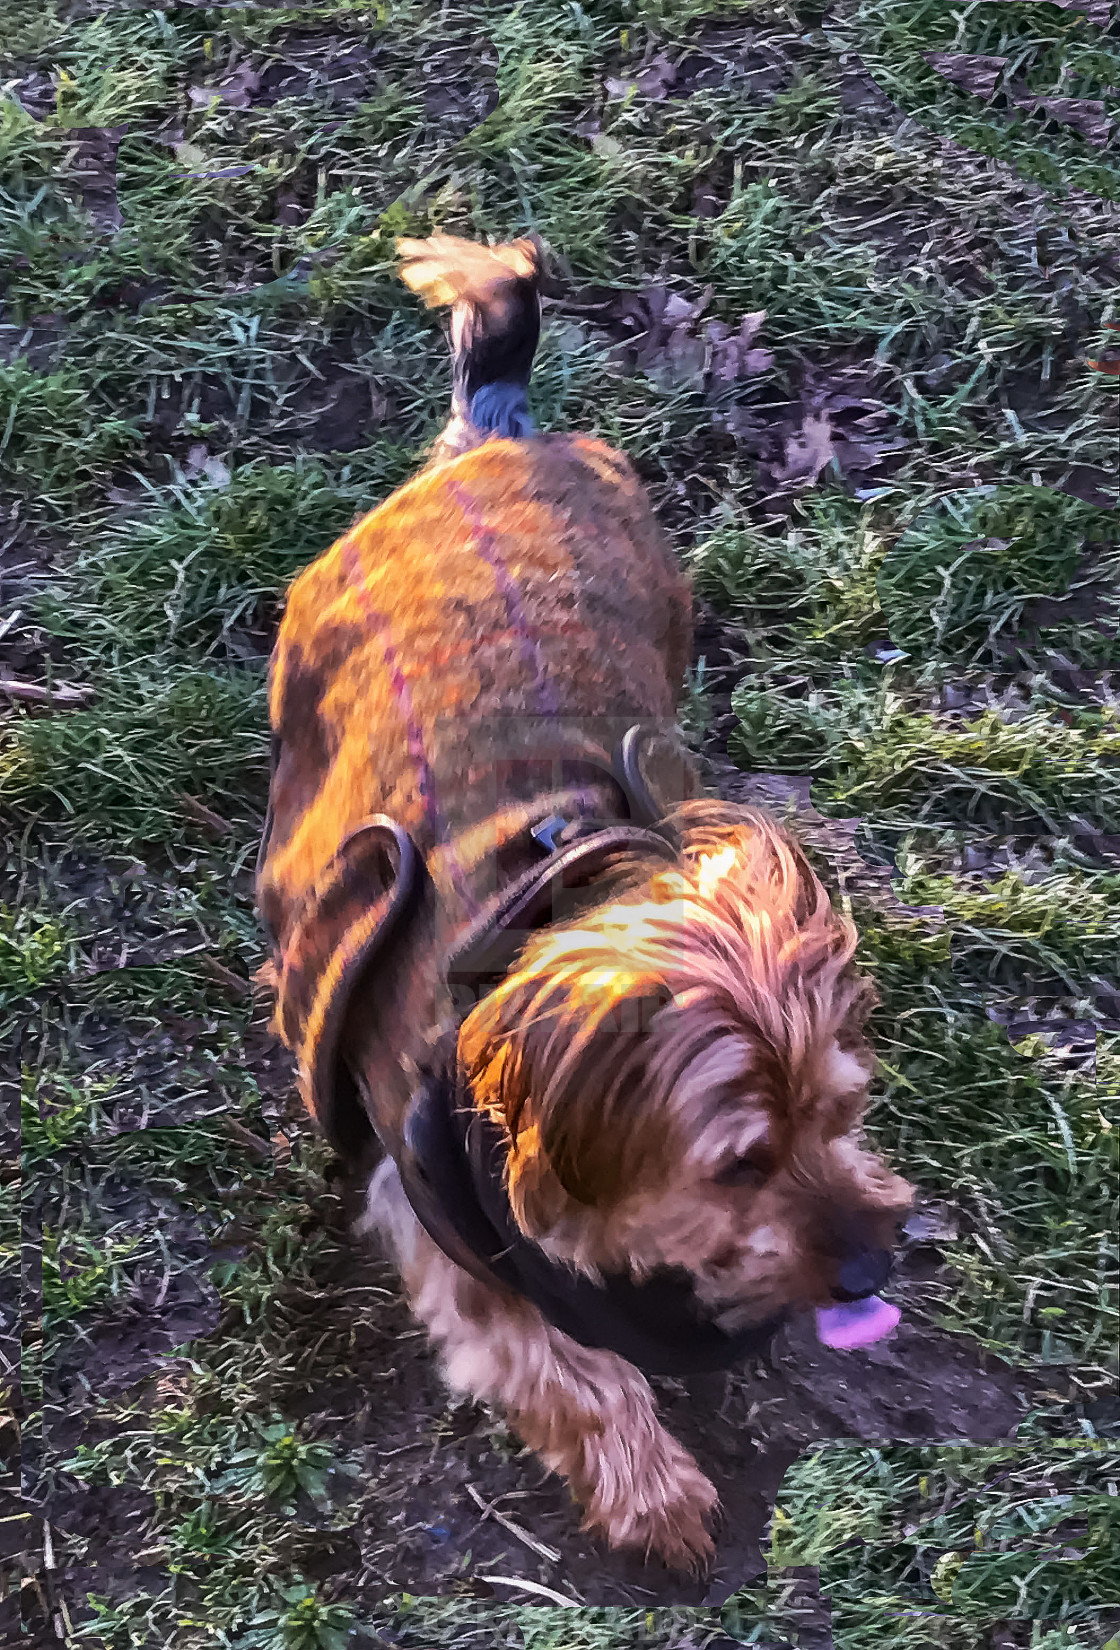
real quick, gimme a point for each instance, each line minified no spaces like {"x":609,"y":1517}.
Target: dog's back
{"x":524,"y":579}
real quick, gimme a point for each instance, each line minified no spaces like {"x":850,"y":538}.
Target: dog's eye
{"x":751,"y":1169}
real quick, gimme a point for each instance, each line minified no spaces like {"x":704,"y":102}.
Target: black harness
{"x":451,"y":1157}
{"x":452,"y":1169}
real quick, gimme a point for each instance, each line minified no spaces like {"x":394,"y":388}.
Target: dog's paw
{"x":667,"y":1516}
{"x":681,"y":1539}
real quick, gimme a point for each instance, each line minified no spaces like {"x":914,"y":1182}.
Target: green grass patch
{"x":1021,"y":1149}
{"x":211,"y":563}
{"x":56,"y":1113}
{"x":924,"y":1546}
{"x":222,"y":315}
{"x":32,"y":953}
{"x":906,"y":767}
{"x":122,"y":768}
{"x":1048,"y":54}
{"x":80,"y":1271}
{"x":55,"y":446}
{"x":955,"y":585}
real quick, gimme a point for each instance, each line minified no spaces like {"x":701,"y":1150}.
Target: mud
{"x":435,"y":1474}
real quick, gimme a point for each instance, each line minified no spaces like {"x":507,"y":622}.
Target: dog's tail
{"x":494,"y":293}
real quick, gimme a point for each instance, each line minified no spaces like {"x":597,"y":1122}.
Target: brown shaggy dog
{"x":672,"y":1074}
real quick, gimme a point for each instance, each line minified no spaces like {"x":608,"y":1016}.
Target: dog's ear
{"x":564,"y":1064}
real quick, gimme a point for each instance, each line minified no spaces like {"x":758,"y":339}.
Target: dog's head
{"x":683,"y":1073}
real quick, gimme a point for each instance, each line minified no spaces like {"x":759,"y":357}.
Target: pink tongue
{"x":856,"y":1323}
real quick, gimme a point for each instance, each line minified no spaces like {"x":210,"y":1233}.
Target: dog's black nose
{"x":863,"y":1272}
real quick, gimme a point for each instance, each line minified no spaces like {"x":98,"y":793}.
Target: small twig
{"x":163,"y":1288}
{"x":533,"y":1587}
{"x":213,"y":824}
{"x":33,"y":693}
{"x":490,"y":1511}
{"x":221,"y":975}
{"x":245,"y":1137}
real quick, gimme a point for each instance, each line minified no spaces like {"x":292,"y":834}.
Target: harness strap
{"x":376,"y":888}
{"x":372,"y":888}
{"x":452,"y":1170}
{"x":629,"y":778}
{"x":491,"y":942}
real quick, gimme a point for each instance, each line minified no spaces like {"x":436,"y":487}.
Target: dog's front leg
{"x":590,"y":1415}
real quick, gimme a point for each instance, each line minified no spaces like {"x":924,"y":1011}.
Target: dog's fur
{"x":680,"y":1075}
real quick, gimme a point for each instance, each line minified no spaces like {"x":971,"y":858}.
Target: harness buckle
{"x":545,"y":832}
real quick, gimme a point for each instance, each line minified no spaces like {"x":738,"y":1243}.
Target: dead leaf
{"x":840,"y":401}
{"x":657,"y":78}
{"x":652,"y":82}
{"x":662,"y":333}
{"x":858,"y":92}
{"x":681,"y":361}
{"x":91,"y":165}
{"x":858,"y":455}
{"x":732,"y":358}
{"x":810,"y":451}
{"x":756,"y":361}
{"x":717,"y":354}
{"x":202,"y":462}
{"x":236,"y":90}
{"x":933,"y":1224}
{"x":1085,"y":114}
{"x":36,"y":93}
{"x":189,"y":154}
{"x":985,"y":544}
{"x":1099,"y":12}
{"x":743,"y":425}
{"x":661,"y":323}
{"x":609,"y":147}
{"x":676,"y":309}
{"x":290,"y":210}
{"x":220,"y":172}
{"x":706,"y":203}
{"x":972,"y":73}
{"x":837,"y":419}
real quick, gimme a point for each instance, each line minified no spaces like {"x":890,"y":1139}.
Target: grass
{"x":956,"y":584}
{"x":917,"y":1548}
{"x":1035,"y":773}
{"x":191,"y":407}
